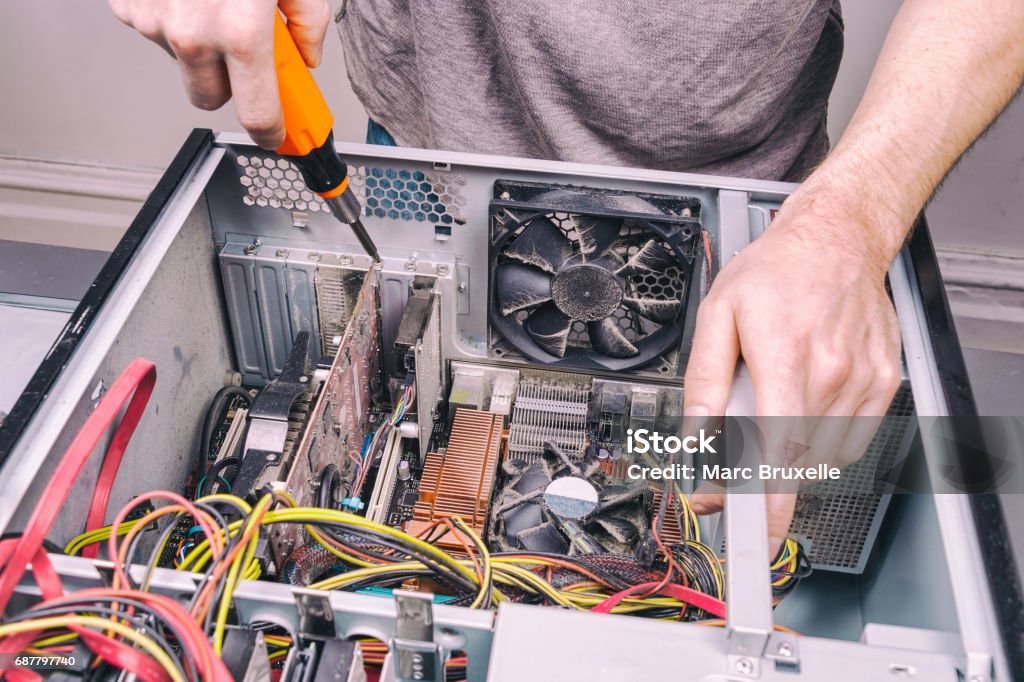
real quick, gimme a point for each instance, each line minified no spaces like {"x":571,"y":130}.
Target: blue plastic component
{"x":386,"y":592}
{"x":352,"y":503}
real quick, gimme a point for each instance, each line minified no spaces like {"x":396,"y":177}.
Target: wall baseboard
{"x":69,"y":204}
{"x":90,"y":206}
{"x":77,"y":179}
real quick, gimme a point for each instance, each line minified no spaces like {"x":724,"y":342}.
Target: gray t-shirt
{"x":736,"y":87}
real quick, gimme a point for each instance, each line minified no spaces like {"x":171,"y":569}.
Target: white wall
{"x":79,"y":86}
{"x":980,"y":206}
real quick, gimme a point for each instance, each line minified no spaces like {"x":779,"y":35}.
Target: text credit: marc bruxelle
{"x":645,"y":442}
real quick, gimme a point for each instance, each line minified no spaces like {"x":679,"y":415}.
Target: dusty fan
{"x":546,"y":281}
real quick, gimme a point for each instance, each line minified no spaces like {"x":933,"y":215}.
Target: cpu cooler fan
{"x":602,"y":291}
{"x":556,"y":505}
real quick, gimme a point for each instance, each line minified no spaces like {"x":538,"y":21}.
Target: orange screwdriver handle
{"x":308,"y":138}
{"x":307,"y":118}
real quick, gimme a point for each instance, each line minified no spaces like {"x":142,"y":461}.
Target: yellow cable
{"x":80,"y":542}
{"x":145,"y":643}
{"x":243,"y":559}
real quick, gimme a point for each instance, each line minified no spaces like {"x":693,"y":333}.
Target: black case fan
{"x":591,"y":278}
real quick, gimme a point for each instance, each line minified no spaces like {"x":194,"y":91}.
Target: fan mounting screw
{"x":345,"y":259}
{"x":785,"y":650}
{"x":744,"y":666}
{"x":442,"y":269}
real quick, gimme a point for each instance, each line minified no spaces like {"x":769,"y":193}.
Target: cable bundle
{"x":129,"y":629}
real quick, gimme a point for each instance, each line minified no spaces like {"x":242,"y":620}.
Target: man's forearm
{"x":947,"y":69}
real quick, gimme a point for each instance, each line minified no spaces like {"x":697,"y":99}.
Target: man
{"x":736,"y":88}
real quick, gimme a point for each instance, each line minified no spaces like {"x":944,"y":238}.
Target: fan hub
{"x":586,"y":292}
{"x":570,"y":497}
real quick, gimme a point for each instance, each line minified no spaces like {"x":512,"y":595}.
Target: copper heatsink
{"x":458,"y":481}
{"x":671,"y":533}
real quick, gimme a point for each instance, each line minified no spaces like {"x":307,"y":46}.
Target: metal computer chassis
{"x":203,"y":193}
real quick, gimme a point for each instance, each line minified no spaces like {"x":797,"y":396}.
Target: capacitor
{"x":409,"y":429}
{"x":404,"y":472}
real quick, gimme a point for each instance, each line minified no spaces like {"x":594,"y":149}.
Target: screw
{"x":442,"y":270}
{"x":345,"y":259}
{"x":282,"y":253}
{"x":462,"y":287}
{"x":785,"y":649}
{"x":314,"y":256}
{"x":744,"y":666}
{"x":303,"y":379}
{"x":410,"y":265}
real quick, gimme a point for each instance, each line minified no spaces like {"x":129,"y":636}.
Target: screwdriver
{"x":309,"y":136}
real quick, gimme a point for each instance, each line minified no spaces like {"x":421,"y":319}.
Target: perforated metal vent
{"x":842,"y":521}
{"x":333,"y":306}
{"x":397,"y":194}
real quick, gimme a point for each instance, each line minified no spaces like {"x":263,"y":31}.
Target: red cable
{"x":686,"y":595}
{"x":112,"y":459}
{"x":116,"y":652}
{"x":136,"y":382}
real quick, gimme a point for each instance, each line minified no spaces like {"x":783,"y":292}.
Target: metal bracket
{"x":462,"y":288}
{"x":420,"y":659}
{"x":748,"y":583}
{"x":979,"y":667}
{"x":316,"y":617}
{"x":784,"y":649}
{"x":268,"y":417}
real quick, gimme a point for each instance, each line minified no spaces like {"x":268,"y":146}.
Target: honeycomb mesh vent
{"x":396,"y":194}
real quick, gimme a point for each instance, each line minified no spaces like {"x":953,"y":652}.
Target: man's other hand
{"x":226,"y":49}
{"x":806,"y":308}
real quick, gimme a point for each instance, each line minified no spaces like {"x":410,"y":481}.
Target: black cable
{"x":615,"y":582}
{"x":330,"y":483}
{"x":50,"y":547}
{"x":75,"y":607}
{"x":214,"y":473}
{"x":368,"y":549}
{"x":233,"y":541}
{"x":447,"y":573}
{"x":215,"y":415}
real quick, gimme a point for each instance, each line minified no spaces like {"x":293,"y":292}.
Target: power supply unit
{"x":418,"y":469}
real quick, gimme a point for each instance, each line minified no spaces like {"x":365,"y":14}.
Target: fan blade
{"x":620,"y":530}
{"x":541,"y":244}
{"x":549,"y":327}
{"x":543,"y":538}
{"x":651,"y":258}
{"x":557,"y":459}
{"x":615,"y":495}
{"x":519,"y":519}
{"x":521,"y":286}
{"x":662,"y":312}
{"x":597,"y":235}
{"x":607,"y":338}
